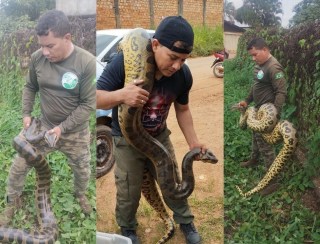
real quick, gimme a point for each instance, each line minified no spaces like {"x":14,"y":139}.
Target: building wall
{"x":231,"y":42}
{"x":136,"y":13}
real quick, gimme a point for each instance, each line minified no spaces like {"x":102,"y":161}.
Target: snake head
{"x":208,"y":157}
{"x":51,"y":139}
{"x":34,"y":133}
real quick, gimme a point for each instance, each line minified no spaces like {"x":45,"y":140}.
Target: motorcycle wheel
{"x":218,"y":70}
{"x":105,"y":158}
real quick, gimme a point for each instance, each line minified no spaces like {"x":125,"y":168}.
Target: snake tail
{"x":284,"y":131}
{"x":150,"y":192}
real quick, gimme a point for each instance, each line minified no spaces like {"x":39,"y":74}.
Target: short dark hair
{"x":259,"y":43}
{"x":55,"y":21}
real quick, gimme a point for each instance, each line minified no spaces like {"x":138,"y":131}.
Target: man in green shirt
{"x":63,"y":75}
{"x":269,"y":87}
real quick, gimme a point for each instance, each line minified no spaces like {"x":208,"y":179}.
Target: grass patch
{"x":207,"y":40}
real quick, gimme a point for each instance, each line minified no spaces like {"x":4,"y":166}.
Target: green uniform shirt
{"x":66,"y":88}
{"x":269,"y":84}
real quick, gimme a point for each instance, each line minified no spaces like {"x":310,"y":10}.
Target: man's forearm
{"x":28,"y":98}
{"x":185,"y":122}
{"x":279,"y":101}
{"x":249,"y":98}
{"x":78,"y":117}
{"x":108,"y":100}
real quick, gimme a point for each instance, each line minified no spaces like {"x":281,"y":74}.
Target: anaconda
{"x":150,"y":191}
{"x":48,"y":230}
{"x":273,"y":131}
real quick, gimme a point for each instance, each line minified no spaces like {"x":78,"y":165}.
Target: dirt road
{"x":206,"y":104}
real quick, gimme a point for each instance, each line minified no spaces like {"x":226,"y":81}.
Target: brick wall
{"x":136,"y":13}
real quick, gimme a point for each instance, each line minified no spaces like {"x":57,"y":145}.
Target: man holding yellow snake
{"x":171,"y":45}
{"x":269,"y":87}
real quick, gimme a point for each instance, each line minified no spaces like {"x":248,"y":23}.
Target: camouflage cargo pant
{"x":261,"y":148}
{"x":76,"y":146}
{"x":128,"y":175}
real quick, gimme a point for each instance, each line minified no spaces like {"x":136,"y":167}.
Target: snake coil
{"x":265,"y":122}
{"x":48,"y":231}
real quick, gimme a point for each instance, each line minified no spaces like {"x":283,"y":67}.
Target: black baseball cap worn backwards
{"x":172,"y":29}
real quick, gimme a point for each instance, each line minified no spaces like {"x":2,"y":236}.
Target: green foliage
{"x":30,"y":8}
{"x":207,"y":40}
{"x":260,"y":13}
{"x":305,"y":11}
{"x":278,"y":218}
{"x":16,"y":47}
{"x":314,"y":153}
{"x":11,"y":23}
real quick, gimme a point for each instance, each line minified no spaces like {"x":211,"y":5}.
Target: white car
{"x":107,"y":42}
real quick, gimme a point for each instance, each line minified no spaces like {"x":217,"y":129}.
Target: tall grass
{"x":207,"y":40}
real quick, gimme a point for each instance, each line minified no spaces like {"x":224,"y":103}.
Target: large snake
{"x":140,"y":64}
{"x":48,"y":230}
{"x":150,"y":191}
{"x":273,"y":131}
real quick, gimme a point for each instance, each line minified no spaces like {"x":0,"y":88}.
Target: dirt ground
{"x":206,"y":104}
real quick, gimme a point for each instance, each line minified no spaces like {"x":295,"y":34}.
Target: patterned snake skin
{"x":265,"y":122}
{"x":150,"y":191}
{"x":140,"y":64}
{"x":48,"y":231}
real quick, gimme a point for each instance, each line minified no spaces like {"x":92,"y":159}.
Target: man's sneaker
{"x":131,"y":234}
{"x":7,"y":215}
{"x":84,"y":203}
{"x":249,"y":163}
{"x":271,"y":188}
{"x":191,"y":234}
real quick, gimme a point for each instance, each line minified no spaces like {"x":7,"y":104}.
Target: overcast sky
{"x":287,"y":7}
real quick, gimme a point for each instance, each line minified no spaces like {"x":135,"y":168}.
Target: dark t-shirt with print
{"x":164,"y":92}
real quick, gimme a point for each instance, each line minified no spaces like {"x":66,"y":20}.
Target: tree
{"x":307,"y":10}
{"x":229,"y":11}
{"x":260,"y":13}
{"x":21,"y":14}
{"x":30,"y":8}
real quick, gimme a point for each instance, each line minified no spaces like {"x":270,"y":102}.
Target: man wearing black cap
{"x":172,"y":45}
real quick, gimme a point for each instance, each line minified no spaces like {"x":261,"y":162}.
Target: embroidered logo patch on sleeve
{"x":279,"y":75}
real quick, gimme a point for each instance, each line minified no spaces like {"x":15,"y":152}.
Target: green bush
{"x":207,"y":40}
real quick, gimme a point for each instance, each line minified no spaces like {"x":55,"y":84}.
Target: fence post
{"x":116,"y":13}
{"x":151,"y":10}
{"x":180,"y":7}
{"x":204,"y":11}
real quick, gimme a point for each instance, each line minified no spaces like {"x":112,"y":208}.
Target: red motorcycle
{"x":217,"y":64}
